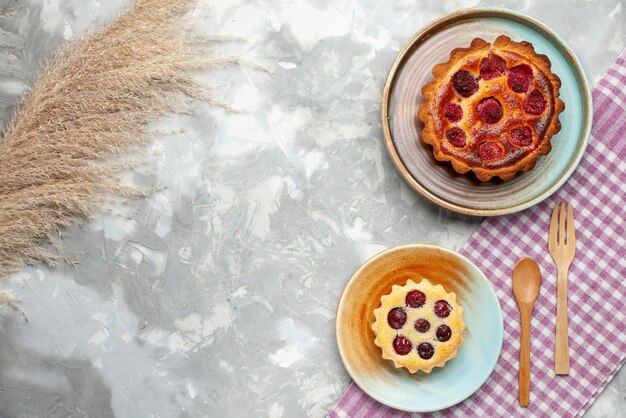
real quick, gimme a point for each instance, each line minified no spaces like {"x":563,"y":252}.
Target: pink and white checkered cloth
{"x":597,"y":283}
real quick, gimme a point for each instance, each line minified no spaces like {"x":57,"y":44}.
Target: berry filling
{"x":491,"y":68}
{"x":402,"y":345}
{"x":442,"y":308}
{"x":456,"y":137}
{"x":520,"y":78}
{"x":443,"y":333}
{"x":425,"y":350}
{"x":396,"y":318}
{"x":490,"y":110}
{"x":464,"y":83}
{"x":521,"y":136}
{"x":422,"y":325}
{"x":535,"y":103}
{"x":453,"y":112}
{"x":489,"y":151}
{"x":415,"y":299}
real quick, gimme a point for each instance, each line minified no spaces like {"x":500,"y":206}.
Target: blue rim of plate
{"x":499,"y":340}
{"x":480,"y":12}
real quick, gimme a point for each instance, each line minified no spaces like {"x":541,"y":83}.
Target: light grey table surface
{"x":216,"y":295}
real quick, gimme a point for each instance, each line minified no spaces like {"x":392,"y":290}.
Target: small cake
{"x":492,"y":108}
{"x":418,"y":326}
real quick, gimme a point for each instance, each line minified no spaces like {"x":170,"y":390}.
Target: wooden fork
{"x":562,"y":247}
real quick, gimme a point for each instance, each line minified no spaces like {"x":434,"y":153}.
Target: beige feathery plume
{"x":91,"y":103}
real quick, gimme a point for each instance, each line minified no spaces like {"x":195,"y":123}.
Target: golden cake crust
{"x":385,"y":334}
{"x":519,"y":118}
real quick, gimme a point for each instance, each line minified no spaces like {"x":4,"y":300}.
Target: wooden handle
{"x":561,"y":347}
{"x":524,"y":356}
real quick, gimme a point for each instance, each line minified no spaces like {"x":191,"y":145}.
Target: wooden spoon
{"x":526,"y":285}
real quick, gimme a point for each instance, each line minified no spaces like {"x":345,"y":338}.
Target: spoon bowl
{"x":526,"y":281}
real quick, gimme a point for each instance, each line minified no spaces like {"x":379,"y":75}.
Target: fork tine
{"x":552,"y":242}
{"x":571,"y":230}
{"x":562,"y":217}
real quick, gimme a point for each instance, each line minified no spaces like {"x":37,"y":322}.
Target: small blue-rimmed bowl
{"x":462,"y":375}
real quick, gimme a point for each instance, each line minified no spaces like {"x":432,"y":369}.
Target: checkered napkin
{"x":597,"y":283}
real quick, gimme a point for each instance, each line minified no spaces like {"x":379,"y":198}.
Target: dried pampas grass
{"x":7,"y":299}
{"x":92,"y":102}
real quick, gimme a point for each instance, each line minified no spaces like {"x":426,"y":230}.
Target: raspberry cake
{"x":492,"y":108}
{"x":418,"y":326}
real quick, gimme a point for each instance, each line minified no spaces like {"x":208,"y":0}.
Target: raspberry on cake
{"x":418,"y":326}
{"x":492,"y":108}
